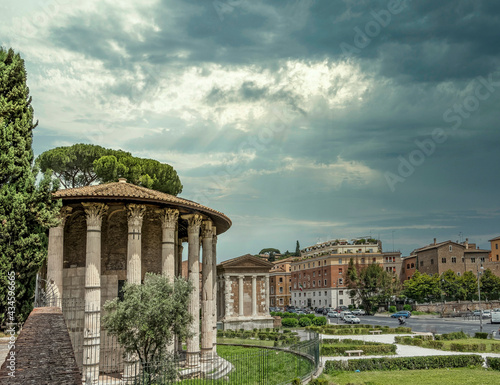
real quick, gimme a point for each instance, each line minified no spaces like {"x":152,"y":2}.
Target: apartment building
{"x":438,"y":257}
{"x":280,"y":283}
{"x":495,"y":249}
{"x":318,"y":276}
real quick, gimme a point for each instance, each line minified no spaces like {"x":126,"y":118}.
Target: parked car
{"x":333,"y":314}
{"x":358,"y":312}
{"x":351,"y":319}
{"x":319,"y":310}
{"x":345,"y":313}
{"x":402,"y":313}
{"x":326,"y":310}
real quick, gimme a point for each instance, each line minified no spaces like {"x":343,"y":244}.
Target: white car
{"x":344,"y":313}
{"x":486,"y":313}
{"x":358,"y":312}
{"x":333,"y":314}
{"x":351,"y":319}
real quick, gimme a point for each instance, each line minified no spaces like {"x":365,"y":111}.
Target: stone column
{"x":180,"y":248}
{"x":207,"y":341}
{"x":254,"y":295}
{"x":135,"y":214}
{"x":92,"y":316}
{"x":193,"y":343}
{"x":266,"y":310}
{"x":55,"y":255}
{"x":169,"y":219}
{"x":240,"y":295}
{"x":227,"y":296}
{"x":214,"y":294}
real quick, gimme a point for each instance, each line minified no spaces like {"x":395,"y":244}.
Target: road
{"x":434,"y":325}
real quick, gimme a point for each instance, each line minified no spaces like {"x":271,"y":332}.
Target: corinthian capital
{"x":194,"y":222}
{"x":94,"y":213}
{"x":64,"y":214}
{"x":169,"y":218}
{"x":207,"y":229}
{"x":135,"y":214}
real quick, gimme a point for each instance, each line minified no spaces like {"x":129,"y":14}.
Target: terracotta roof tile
{"x":117,"y":190}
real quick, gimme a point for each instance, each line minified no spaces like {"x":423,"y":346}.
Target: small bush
{"x":455,"y":347}
{"x":290,"y":322}
{"x":483,"y":336}
{"x":407,"y":307}
{"x":452,"y":336}
{"x":286,"y":330}
{"x":304,"y":321}
{"x":296,"y":381}
{"x":319,"y":321}
{"x":392,"y":309}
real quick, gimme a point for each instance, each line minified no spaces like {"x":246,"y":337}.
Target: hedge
{"x":493,"y":363}
{"x":290,"y":322}
{"x":304,"y":322}
{"x":482,"y":336}
{"x":335,"y":350}
{"x":330,"y":341}
{"x":355,"y":329}
{"x":456,"y":347}
{"x":452,"y":336}
{"x":404,"y":363}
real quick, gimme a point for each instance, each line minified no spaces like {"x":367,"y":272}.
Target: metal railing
{"x":102,"y":360}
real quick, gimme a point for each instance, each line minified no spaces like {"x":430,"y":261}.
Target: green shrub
{"x":435,"y":344}
{"x":334,"y":350}
{"x":483,"y":336}
{"x":404,"y":363}
{"x":493,"y":363}
{"x":296,"y":381}
{"x":455,"y":347}
{"x":407,"y":307}
{"x":452,"y":336}
{"x":495,"y":347}
{"x":220,"y":333}
{"x":304,"y":321}
{"x":262,"y":336}
{"x":286,"y":331}
{"x":290,"y":322}
{"x":319,"y":321}
{"x":392,"y":309}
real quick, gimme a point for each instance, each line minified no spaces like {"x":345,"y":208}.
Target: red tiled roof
{"x":131,"y":192}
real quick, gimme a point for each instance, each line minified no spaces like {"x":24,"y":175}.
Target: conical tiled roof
{"x":123,"y":191}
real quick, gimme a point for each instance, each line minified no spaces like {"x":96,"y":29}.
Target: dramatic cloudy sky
{"x":306,"y":120}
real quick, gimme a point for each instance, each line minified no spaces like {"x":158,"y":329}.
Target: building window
{"x":463,"y":259}
{"x":272,"y":289}
{"x":272,"y":301}
{"x":314,"y":294}
{"x":319,"y":282}
{"x":320,"y":302}
{"x":374,"y":259}
{"x":443,"y":260}
{"x":294,"y":295}
{"x":300,"y":275}
{"x":325,"y":294}
{"x":341,"y":302}
{"x":289,"y":289}
{"x":281,"y":279}
{"x":281,"y":301}
{"x":325,"y":282}
{"x":319,"y":273}
{"x":314,"y":302}
{"x":496,"y":246}
{"x":458,"y":273}
{"x":324,"y":262}
{"x":412,"y":265}
{"x":341,"y":292}
{"x":482,"y":259}
{"x":314,"y":283}
{"x":281,"y":290}
{"x":295,"y":285}
{"x":451,"y":249}
{"x":314,"y":274}
{"x":362,"y":261}
{"x":497,"y":257}
{"x":340,"y":271}
{"x":473,"y":260}
{"x":341,"y":281}
{"x":421,"y":263}
{"x":432,"y":261}
{"x":309,"y":264}
{"x":313,"y":264}
{"x":453,"y":259}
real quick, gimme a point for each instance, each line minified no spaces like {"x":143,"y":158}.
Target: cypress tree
{"x":26,"y":210}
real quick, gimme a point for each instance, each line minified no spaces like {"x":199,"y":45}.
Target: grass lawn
{"x":253,"y":368}
{"x":244,"y":341}
{"x":428,"y":377}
